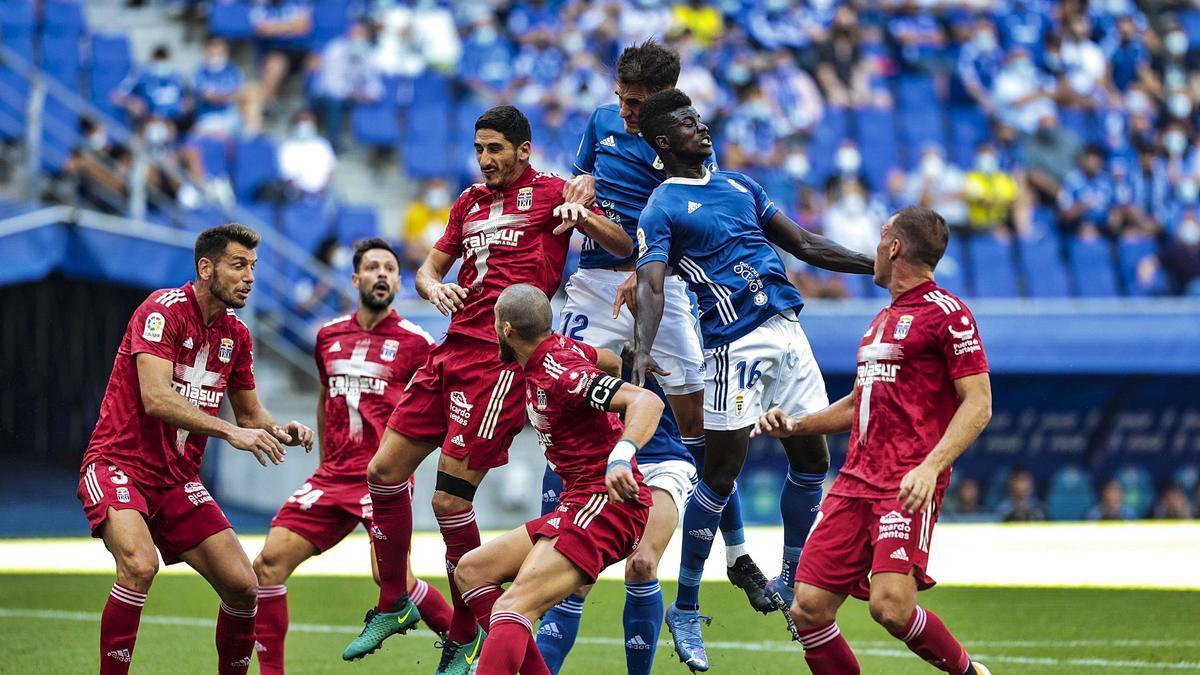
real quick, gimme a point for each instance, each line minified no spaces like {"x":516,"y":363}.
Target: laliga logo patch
{"x":902,"y":327}
{"x":524,"y":199}
{"x":154,"y":327}
{"x":641,"y":242}
{"x":225,"y":351}
{"x":657,"y":163}
{"x":388,"y":352}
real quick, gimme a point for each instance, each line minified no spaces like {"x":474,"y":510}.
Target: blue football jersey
{"x":710,"y":230}
{"x":626,"y":170}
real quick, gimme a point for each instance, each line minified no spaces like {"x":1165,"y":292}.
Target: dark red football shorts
{"x":593,"y":532}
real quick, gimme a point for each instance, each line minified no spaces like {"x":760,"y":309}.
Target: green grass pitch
{"x":48,"y":625}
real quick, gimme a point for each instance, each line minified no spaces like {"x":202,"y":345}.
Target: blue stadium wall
{"x":1096,"y":384}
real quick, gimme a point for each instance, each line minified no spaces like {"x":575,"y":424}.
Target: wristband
{"x":616,"y":463}
{"x":623,"y":451}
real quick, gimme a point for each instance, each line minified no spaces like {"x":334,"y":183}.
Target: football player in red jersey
{"x":364,"y":361}
{"x":573,"y":394}
{"x":921,"y":397}
{"x":512,"y":228}
{"x":183,"y":350}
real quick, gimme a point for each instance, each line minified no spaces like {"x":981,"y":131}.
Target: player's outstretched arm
{"x":650,"y":279}
{"x":609,"y":362}
{"x":642,"y":410}
{"x":974,"y":411}
{"x":448,"y":298}
{"x":814,"y":249}
{"x":607,"y":234}
{"x":833,"y":419}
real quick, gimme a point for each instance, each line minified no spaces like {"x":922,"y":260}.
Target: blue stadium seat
{"x":18,"y":41}
{"x":1138,"y":487}
{"x":968,"y":128}
{"x":230,"y":19}
{"x":1070,"y":495}
{"x":60,"y":135}
{"x":951,"y":272}
{"x":993,"y":270}
{"x":203,"y":218}
{"x":214,"y":153}
{"x":1189,"y":20}
{"x":17,"y":16}
{"x":111,"y":51}
{"x":331,"y":19}
{"x":64,"y":19}
{"x":305,"y":225}
{"x":995,"y":486}
{"x":1130,"y":252}
{"x":266,"y":214}
{"x":919,"y":128}
{"x":14,"y":90}
{"x":1042,"y":268}
{"x":824,"y":142}
{"x":880,"y":148}
{"x":375,"y":124}
{"x":1187,"y":478}
{"x":1092,"y":267}
{"x":255,"y":163}
{"x":356,"y":222}
{"x":1083,"y":123}
{"x":62,"y":60}
{"x":916,"y":92}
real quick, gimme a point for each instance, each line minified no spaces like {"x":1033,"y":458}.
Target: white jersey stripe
{"x":697,"y":275}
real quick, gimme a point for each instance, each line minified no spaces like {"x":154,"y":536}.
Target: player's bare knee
{"x":239,"y":589}
{"x":136,"y":570}
{"x":807,"y":614}
{"x":890,"y":612}
{"x":268,"y":570}
{"x":380,"y":470}
{"x":445,"y":503}
{"x":642,"y":566}
{"x":470,"y":572}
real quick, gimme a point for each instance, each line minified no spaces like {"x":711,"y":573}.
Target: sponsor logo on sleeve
{"x":153,"y":331}
{"x":225,"y":351}
{"x":642,"y":248}
{"x":965,"y":340}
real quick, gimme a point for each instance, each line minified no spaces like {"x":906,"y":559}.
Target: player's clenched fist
{"x":775,"y":423}
{"x":448,"y":298}
{"x":580,"y":189}
{"x":294,"y":433}
{"x":259,"y":442}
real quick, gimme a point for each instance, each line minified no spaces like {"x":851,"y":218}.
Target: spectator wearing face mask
{"x":1180,"y":256}
{"x":174,"y":170}
{"x":847,"y":165}
{"x":413,"y":38}
{"x":841,"y":69}
{"x":425,"y":220}
{"x":1050,"y":156}
{"x":937,"y":184}
{"x":100,"y":169}
{"x":219,"y":87}
{"x":1084,"y":79}
{"x":1086,"y":197}
{"x":1176,"y":63}
{"x":853,"y":220}
{"x":991,"y":193}
{"x":1111,"y":505}
{"x":306,"y":160}
{"x":486,"y":67}
{"x":1149,"y":191}
{"x":1021,"y":94}
{"x":752,"y":133}
{"x":155,"y":91}
{"x":979,"y":63}
{"x":1128,"y":57}
{"x":345,"y":75}
{"x":795,"y":94}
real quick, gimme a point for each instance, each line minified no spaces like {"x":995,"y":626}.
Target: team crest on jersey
{"x":225,"y":351}
{"x":541,"y":399}
{"x":739,"y":404}
{"x":155,"y":323}
{"x":524,"y":199}
{"x":902,"y":327}
{"x":123,"y":495}
{"x":389,"y":349}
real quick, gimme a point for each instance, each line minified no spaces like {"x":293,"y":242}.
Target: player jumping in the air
{"x":183,"y":350}
{"x":364,"y":361}
{"x":512,"y":228}
{"x":716,"y":228}
{"x":572,"y":398}
{"x":921,"y":397}
{"x":619,"y":171}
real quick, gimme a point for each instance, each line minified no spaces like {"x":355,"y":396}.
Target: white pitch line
{"x":777,"y":647}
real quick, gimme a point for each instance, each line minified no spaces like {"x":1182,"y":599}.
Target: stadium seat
{"x":254,"y":164}
{"x":951,"y":272}
{"x":1189,"y":20}
{"x":203,"y":218}
{"x":356,"y":222}
{"x":17,"y":16}
{"x":331,"y":19}
{"x":1083,"y":123}
{"x":63,"y":19}
{"x":375,"y":124}
{"x":1070,"y":495}
{"x":968,"y":128}
{"x":1092,"y":267}
{"x":230,"y":19}
{"x":993,"y":270}
{"x":305,"y":225}
{"x":1138,"y":486}
{"x":60,"y":134}
{"x":14,"y":90}
{"x":214,"y":154}
{"x":61,"y":59}
{"x":1042,"y":268}
{"x":1130,"y":253}
{"x":880,"y":147}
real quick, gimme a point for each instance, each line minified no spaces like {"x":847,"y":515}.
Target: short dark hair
{"x":649,"y":64}
{"x":655,"y":114}
{"x":211,"y":243}
{"x":161,"y":52}
{"x":924,"y":234}
{"x":509,"y":122}
{"x":361,"y":248}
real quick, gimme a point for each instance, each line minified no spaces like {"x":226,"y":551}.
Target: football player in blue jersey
{"x":617,"y":170}
{"x":716,"y":229}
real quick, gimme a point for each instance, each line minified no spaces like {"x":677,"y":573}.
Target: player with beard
{"x":364,"y":361}
{"x":512,"y":228}
{"x":573,"y":400}
{"x":183,"y":350}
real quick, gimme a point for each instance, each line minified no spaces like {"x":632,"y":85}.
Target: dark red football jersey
{"x":904,"y":390}
{"x":208,"y":360}
{"x":565,"y":398}
{"x":504,"y":238}
{"x":364,"y":372}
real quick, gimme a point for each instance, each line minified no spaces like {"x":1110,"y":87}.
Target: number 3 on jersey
{"x":573,"y":324}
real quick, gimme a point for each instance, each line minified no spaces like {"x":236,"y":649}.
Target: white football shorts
{"x":675,"y":476}
{"x":770,"y":367}
{"x":587,"y":317}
